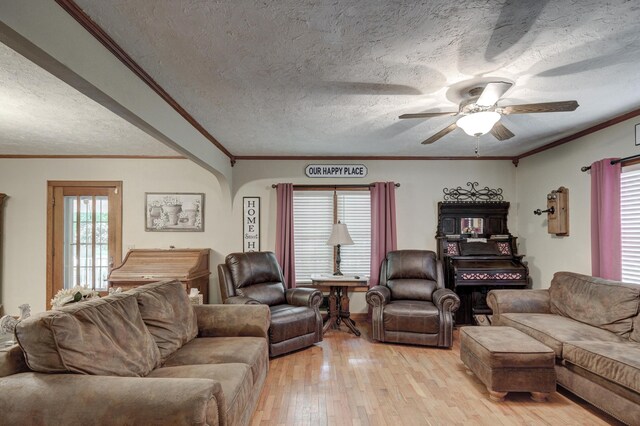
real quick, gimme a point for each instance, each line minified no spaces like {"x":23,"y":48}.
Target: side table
{"x":338,"y":291}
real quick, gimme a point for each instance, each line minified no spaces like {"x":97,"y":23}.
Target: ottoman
{"x":507,"y":360}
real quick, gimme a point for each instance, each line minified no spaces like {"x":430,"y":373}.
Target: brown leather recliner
{"x":411,"y":304}
{"x":256,"y":278}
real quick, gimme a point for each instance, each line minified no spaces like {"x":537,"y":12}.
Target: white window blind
{"x":630,"y":224}
{"x":354,"y":210}
{"x":312,"y":221}
{"x":313,"y":217}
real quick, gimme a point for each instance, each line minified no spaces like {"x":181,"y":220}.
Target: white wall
{"x":25,"y":182}
{"x":539,"y":174}
{"x":416,"y":199}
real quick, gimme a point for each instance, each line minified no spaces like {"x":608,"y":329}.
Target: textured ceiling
{"x":41,"y":115}
{"x":296,"y":77}
{"x":308,"y":77}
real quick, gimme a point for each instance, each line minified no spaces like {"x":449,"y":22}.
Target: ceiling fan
{"x":480,"y":114}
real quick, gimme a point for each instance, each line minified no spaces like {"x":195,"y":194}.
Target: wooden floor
{"x":349,"y":380}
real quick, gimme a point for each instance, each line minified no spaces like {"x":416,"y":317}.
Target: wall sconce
{"x":557,"y":211}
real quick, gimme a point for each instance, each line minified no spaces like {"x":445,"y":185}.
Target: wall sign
{"x":250,"y":224}
{"x":336,"y":170}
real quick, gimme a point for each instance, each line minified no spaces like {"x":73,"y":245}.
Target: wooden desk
{"x":338,"y":290}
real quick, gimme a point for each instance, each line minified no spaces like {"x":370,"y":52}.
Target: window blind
{"x":312,"y":221}
{"x":354,"y":210}
{"x":630,"y":224}
{"x":313,"y":217}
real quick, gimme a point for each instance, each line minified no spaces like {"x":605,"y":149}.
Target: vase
{"x":191,"y":216}
{"x":172,"y":212}
{"x":155,"y":212}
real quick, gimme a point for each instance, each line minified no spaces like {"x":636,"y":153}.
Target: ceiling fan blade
{"x":440,"y":134}
{"x":543,"y":107}
{"x":427,"y":114}
{"x":492,"y":92}
{"x":500,"y":132}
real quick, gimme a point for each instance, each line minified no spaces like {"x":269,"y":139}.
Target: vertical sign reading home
{"x":251,"y":224}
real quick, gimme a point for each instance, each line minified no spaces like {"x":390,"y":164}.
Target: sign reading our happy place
{"x":336,"y":170}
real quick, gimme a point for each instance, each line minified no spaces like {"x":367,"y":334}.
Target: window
{"x":314,"y":213}
{"x":630,"y":223}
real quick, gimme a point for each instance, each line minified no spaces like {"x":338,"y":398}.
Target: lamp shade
{"x":478,"y":123}
{"x":339,"y":235}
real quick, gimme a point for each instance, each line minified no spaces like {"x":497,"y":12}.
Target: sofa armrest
{"x":311,"y":297}
{"x":54,"y":399}
{"x":446,"y":300}
{"x":241,"y":300}
{"x":378,"y":296}
{"x":233,"y":320}
{"x":518,"y":301}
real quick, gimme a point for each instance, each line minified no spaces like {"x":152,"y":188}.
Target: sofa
{"x":145,"y":356}
{"x":593,"y":326}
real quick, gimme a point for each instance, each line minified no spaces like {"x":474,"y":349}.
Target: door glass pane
{"x":86,"y":241}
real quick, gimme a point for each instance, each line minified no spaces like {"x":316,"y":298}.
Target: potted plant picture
{"x":174,"y":212}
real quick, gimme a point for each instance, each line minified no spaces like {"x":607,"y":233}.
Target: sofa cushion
{"x":615,"y":361}
{"x":12,"y":361}
{"x":412,"y":316}
{"x":412,"y":289}
{"x":266,"y":293}
{"x":288,"y":321}
{"x":610,"y":305}
{"x":252,"y":351}
{"x":555,"y":330}
{"x":415,"y":264}
{"x":103,"y":337}
{"x":168,"y":314}
{"x":253,"y":268}
{"x":635,"y":334}
{"x":236,"y":382}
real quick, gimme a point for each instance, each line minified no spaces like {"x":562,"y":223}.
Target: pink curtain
{"x":284,"y":233}
{"x":606,"y":246}
{"x":383,"y":225}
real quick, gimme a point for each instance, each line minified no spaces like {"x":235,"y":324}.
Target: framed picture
{"x":174,"y":212}
{"x":637,"y":134}
{"x":250,"y":224}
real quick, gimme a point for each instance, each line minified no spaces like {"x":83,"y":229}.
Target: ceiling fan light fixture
{"x":478,"y":123}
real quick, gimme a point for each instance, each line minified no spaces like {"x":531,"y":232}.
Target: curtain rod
{"x":621,"y":160}
{"x":397,"y":185}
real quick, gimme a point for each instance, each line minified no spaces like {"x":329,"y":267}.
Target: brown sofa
{"x":411,"y":305}
{"x":256,"y":278}
{"x":146,"y":356}
{"x":593,"y":326}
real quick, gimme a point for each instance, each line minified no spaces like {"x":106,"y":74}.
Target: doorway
{"x":84,"y":234}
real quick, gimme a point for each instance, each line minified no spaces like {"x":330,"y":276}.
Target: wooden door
{"x":84,"y":234}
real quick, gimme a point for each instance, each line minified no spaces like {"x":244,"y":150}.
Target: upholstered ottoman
{"x":507,"y":360}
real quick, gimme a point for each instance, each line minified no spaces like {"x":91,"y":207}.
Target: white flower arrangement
{"x":72,"y":295}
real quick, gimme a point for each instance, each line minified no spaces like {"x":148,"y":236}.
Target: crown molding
{"x":364,"y":157}
{"x":582,"y":133}
{"x":125,"y":157}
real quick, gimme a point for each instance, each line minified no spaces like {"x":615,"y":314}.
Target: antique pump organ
{"x":477,"y":251}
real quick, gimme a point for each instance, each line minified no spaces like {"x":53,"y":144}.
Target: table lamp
{"x":339,"y":236}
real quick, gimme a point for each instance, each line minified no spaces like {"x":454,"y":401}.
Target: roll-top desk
{"x":143,"y":266}
{"x":478,"y":253}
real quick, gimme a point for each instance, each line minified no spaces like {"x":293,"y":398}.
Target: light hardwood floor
{"x":349,"y":380}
